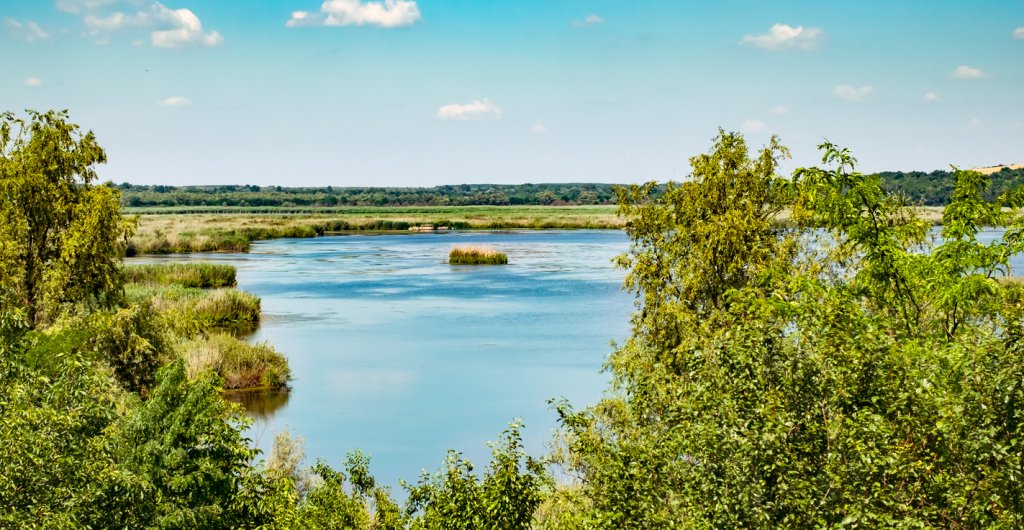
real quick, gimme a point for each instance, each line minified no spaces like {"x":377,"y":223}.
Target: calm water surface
{"x":399,"y":354}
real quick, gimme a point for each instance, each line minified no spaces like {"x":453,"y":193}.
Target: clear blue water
{"x":403,"y":356}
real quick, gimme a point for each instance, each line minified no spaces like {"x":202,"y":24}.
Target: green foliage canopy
{"x":846,"y":371}
{"x":62,"y":237}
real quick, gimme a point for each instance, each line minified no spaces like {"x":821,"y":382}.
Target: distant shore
{"x":233,"y":229}
{"x":174,"y":230}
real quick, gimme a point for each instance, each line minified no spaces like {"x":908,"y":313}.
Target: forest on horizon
{"x":920,"y":188}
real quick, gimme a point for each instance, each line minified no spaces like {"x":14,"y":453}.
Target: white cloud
{"x":385,"y":14}
{"x":475,"y":110}
{"x":185,"y":29}
{"x":33,"y":81}
{"x":589,"y":20}
{"x":167,"y":28}
{"x":539,"y":128}
{"x":932,"y":97}
{"x":24,"y":31}
{"x":966,"y":72}
{"x":753,"y":127}
{"x":975,"y":123}
{"x":850,"y":93}
{"x":175,"y":101}
{"x":784,"y":36}
{"x":779,"y":109}
{"x":1019,"y":33}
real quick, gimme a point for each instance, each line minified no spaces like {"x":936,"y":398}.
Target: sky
{"x":430,"y":92}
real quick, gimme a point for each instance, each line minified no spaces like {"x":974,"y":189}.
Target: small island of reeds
{"x":476,"y":256}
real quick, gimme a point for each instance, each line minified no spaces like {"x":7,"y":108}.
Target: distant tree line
{"x":935,"y":188}
{"x":921,"y":188}
{"x":454,"y":195}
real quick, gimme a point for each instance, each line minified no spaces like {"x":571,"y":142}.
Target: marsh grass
{"x":190,"y":311}
{"x":195,"y":275}
{"x":476,"y":256}
{"x":239,"y":363}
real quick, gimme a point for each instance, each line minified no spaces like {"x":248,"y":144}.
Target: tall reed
{"x":239,"y":363}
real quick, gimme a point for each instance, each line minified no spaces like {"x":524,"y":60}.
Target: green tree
{"x":182,"y":463}
{"x":847,"y":372}
{"x":62,"y":237}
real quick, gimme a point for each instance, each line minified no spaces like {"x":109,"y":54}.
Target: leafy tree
{"x":62,"y":238}
{"x":54,"y":408}
{"x":506,"y":498}
{"x":182,"y":463}
{"x":848,"y":372}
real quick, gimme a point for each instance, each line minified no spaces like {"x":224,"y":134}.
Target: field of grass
{"x":162,"y":232}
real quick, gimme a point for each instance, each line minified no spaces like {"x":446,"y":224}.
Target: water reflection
{"x":260,"y":404}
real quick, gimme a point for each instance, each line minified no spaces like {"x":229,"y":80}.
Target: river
{"x":399,"y":354}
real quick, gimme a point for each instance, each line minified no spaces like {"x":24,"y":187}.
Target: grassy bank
{"x":160,"y":232}
{"x":201,"y":310}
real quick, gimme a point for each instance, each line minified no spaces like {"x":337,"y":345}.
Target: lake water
{"x":399,"y":354}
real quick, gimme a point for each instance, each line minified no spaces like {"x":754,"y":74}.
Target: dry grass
{"x":476,"y":256}
{"x":239,"y":363}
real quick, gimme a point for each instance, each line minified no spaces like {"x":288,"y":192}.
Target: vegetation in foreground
{"x":476,"y":256}
{"x":844,"y":370}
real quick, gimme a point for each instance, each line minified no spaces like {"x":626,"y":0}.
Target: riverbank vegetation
{"x":194,"y":275}
{"x":234,"y":232}
{"x":199,"y":315}
{"x":842,"y":369}
{"x":476,"y":256}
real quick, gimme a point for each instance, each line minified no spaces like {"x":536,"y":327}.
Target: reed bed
{"x":242,"y":365}
{"x":195,"y":275}
{"x":191,"y":311}
{"x":476,"y":256}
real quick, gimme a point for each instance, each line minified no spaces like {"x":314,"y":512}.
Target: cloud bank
{"x":167,"y":28}
{"x":385,"y":14}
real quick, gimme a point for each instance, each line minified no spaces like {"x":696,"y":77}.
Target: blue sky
{"x":426,"y":92}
